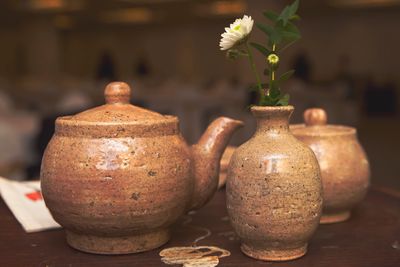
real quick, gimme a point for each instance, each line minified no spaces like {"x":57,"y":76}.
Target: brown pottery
{"x":117,"y":176}
{"x":274,"y":191}
{"x":343,"y":162}
{"x":226,"y":157}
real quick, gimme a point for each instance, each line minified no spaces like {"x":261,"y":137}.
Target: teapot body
{"x":117,"y":195}
{"x":117,"y":176}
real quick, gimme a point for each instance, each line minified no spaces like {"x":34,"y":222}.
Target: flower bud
{"x":273,"y":59}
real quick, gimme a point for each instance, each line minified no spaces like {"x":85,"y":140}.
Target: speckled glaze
{"x":117,"y":176}
{"x":274,"y":192}
{"x":344,"y":166}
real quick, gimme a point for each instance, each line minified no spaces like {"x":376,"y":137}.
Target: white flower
{"x":237,"y":31}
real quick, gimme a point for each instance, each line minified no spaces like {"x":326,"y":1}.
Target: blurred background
{"x":56,"y":56}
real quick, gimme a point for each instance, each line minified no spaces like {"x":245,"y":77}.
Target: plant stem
{"x":273,"y":69}
{"x":272,"y":85}
{"x":254,"y":69}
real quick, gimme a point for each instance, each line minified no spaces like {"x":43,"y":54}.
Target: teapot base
{"x":118,"y":244}
{"x":334,"y":217}
{"x":274,"y":255}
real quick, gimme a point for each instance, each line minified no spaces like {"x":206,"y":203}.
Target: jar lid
{"x":117,"y":117}
{"x":316,"y":125}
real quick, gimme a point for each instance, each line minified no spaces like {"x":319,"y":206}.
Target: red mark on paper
{"x":34,"y":196}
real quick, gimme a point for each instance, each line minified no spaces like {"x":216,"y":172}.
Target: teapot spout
{"x":206,"y":155}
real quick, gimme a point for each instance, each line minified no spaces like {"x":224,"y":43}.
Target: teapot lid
{"x":117,"y":117}
{"x":316,"y":125}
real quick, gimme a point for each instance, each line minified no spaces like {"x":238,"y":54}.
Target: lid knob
{"x":315,"y":116}
{"x":117,"y":93}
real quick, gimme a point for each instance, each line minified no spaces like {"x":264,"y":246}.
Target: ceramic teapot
{"x":344,"y":165}
{"x":117,"y":176}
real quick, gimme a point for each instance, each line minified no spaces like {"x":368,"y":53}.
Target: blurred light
{"x":63,"y":22}
{"x":50,"y":5}
{"x":153,"y":1}
{"x":222,"y":8}
{"x":363,"y":3}
{"x":228,"y":7}
{"x":127,"y":15}
{"x":46,"y":4}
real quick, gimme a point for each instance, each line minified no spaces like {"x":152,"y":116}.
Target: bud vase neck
{"x":272,"y":119}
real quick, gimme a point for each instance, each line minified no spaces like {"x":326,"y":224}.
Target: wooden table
{"x":370,"y":238}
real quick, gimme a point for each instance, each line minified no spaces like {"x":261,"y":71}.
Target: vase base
{"x":335,"y":217}
{"x":118,"y":245}
{"x":274,"y":255}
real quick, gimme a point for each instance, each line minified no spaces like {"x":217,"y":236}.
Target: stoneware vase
{"x":343,"y":162}
{"x":274,"y":191}
{"x":226,"y":158}
{"x":117,"y":176}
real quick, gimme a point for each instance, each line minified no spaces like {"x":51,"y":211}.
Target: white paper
{"x":26,"y":203}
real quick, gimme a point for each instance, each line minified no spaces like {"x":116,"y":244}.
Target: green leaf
{"x":232,"y":54}
{"x":263,"y":50}
{"x":290,"y":36}
{"x":284,"y":17}
{"x":295,"y":17}
{"x":290,"y":27}
{"x":294,"y":7}
{"x":288,"y":12}
{"x":290,"y":32}
{"x":284,"y":33}
{"x":284,"y":77}
{"x":267,"y":101}
{"x":268,"y":30}
{"x":274,"y":93}
{"x":271,"y":15}
{"x":275,"y":37}
{"x":287,"y":33}
{"x":283,"y":101}
{"x":280,"y":100}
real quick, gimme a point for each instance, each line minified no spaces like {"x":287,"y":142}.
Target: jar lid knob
{"x":315,"y":116}
{"x":117,"y":93}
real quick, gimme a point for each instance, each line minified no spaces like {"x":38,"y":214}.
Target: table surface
{"x":370,"y":238}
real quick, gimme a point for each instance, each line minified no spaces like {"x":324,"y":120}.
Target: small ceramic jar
{"x":344,"y":165}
